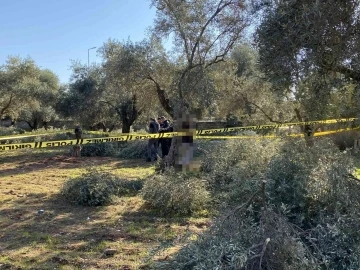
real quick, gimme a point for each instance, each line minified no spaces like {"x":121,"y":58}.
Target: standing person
{"x":78,"y":132}
{"x":153,"y":129}
{"x":165,"y":127}
{"x":78,"y":136}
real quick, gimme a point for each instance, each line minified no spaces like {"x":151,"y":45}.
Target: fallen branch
{"x":263,"y":251}
{"x":244,"y":205}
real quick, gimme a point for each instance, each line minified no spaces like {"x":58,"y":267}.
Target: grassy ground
{"x":65,"y":236}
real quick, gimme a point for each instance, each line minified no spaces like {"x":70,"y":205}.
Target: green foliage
{"x":128,"y":92}
{"x":97,"y":188}
{"x":100,"y":149}
{"x":175,"y":193}
{"x":239,"y":160}
{"x":241,"y":242}
{"x":10,"y":131}
{"x":315,"y":191}
{"x":306,"y":179}
{"x":305,"y":217}
{"x":27,"y":91}
{"x":133,"y":149}
{"x":203,"y":33}
{"x":345,"y":140}
{"x":296,"y":38}
{"x":307,"y":50}
{"x":83,"y":100}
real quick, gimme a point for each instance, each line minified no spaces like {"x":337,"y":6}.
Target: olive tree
{"x":17,"y":80}
{"x":128,"y":92}
{"x":308,"y":48}
{"x":203,"y":33}
{"x":82,"y":100}
{"x":39,"y":108}
{"x":27,"y":92}
{"x":309,"y":51}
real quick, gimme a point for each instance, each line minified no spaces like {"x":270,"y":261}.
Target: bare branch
{"x":181,"y":30}
{"x":202,"y":31}
{"x":165,"y":102}
{"x":7,"y":105}
{"x":261,"y":109}
{"x":347,"y":72}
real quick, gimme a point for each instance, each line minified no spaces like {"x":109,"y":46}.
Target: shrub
{"x":233,"y":159}
{"x":234,"y":167}
{"x":307,"y":217}
{"x":310,"y":178}
{"x":240,"y":241}
{"x":133,"y":149}
{"x":346,"y":139}
{"x":175,"y":193}
{"x":99,"y":150}
{"x":314,"y":188}
{"x":96,"y":188}
{"x":8,"y":131}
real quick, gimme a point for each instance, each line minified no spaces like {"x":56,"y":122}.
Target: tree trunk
{"x":102,"y":126}
{"x":111,"y":128}
{"x":45,"y":124}
{"x":306,"y":129}
{"x":128,"y":113}
{"x":125,"y":127}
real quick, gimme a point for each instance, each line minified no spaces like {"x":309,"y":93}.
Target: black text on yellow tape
{"x":198,"y":132}
{"x":273,"y":126}
{"x":45,"y":144}
{"x":317,"y":134}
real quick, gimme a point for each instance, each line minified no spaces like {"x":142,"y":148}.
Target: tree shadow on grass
{"x":30,"y":164}
{"x":59,"y":233}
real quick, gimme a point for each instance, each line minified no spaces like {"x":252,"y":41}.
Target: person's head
{"x":152,"y":120}
{"x":163,"y":118}
{"x":159,"y":120}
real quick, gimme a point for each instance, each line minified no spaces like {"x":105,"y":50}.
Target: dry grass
{"x":73,"y":237}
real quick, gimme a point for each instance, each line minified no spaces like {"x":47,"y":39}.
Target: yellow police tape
{"x":317,"y":134}
{"x":201,"y":131}
{"x":123,"y":138}
{"x":130,"y":137}
{"x":274,"y":126}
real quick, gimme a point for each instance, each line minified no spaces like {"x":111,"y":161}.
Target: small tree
{"x":18,"y":79}
{"x":82,"y":99}
{"x":127,"y":91}
{"x":39,"y":108}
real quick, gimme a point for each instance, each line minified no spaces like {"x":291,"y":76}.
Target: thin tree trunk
{"x":45,"y":125}
{"x":125,"y":127}
{"x":111,"y":128}
{"x":306,"y":129}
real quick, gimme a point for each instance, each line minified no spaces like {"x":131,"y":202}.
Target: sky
{"x":54,"y":32}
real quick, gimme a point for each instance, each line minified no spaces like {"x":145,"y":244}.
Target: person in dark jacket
{"x":78,"y":132}
{"x":153,"y":129}
{"x":165,"y":127}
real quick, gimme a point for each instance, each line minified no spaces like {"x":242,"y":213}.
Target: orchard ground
{"x":39,"y":230}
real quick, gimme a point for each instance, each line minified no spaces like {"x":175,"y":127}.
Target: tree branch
{"x":165,"y":102}
{"x":347,"y":72}
{"x":181,"y":30}
{"x":257,"y":106}
{"x":7,"y":105}
{"x":202,"y":31}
